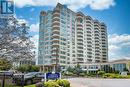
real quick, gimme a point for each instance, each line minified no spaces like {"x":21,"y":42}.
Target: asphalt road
{"x":87,"y":82}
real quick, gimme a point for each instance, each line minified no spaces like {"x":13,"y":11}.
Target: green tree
{"x":125,"y":69}
{"x":5,"y":64}
{"x":77,"y":69}
{"x":15,"y":41}
{"x":70,"y":69}
{"x":28,"y":68}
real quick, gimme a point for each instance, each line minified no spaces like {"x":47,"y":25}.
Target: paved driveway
{"x":87,"y":82}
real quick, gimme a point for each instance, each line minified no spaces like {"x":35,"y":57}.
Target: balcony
{"x":97,"y":61}
{"x":79,"y":16}
{"x":104,"y":59}
{"x":89,"y":32}
{"x":88,"y":18}
{"x":103,"y":26}
{"x":80,"y":43}
{"x":55,"y":40}
{"x":80,"y":51}
{"x":56,"y":13}
{"x":79,"y":24}
{"x":55,"y":35}
{"x":79,"y":27}
{"x":89,"y":35}
{"x":79,"y":36}
{"x":79,"y":31}
{"x":97,"y":35}
{"x":55,"y":27}
{"x":88,"y":22}
{"x":79,"y":39}
{"x":88,"y":25}
{"x":89,"y":49}
{"x":89,"y":38}
{"x":55,"y":57}
{"x":96,"y":22}
{"x":56,"y":19}
{"x":55,"y":32}
{"x":80,"y":58}
{"x":56,"y":22}
{"x":96,"y":32}
{"x":80,"y":47}
{"x":89,"y":60}
{"x":55,"y":43}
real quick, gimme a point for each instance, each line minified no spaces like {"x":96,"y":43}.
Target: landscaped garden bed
{"x":52,"y":83}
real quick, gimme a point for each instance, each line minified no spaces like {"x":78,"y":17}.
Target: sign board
{"x":53,"y":76}
{"x":6,"y":7}
{"x":124,"y":73}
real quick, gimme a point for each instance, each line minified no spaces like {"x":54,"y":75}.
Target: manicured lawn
{"x":30,"y":86}
{"x":7,"y":85}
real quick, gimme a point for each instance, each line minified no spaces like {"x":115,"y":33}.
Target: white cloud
{"x":22,"y":21}
{"x":73,"y":4}
{"x":102,"y":4}
{"x":117,"y":39}
{"x":119,"y":46}
{"x":34,"y":27}
{"x":113,"y":48}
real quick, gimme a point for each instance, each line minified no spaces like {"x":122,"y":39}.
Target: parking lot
{"x":88,"y":82}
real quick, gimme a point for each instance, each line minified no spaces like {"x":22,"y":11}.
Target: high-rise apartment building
{"x":71,"y":38}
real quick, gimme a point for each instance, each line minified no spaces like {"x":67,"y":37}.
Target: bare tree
{"x":15,"y":43}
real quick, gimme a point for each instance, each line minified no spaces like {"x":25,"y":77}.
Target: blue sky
{"x":115,"y":14}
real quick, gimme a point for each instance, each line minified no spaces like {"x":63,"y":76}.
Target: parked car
{"x":6,"y":73}
{"x":29,"y":78}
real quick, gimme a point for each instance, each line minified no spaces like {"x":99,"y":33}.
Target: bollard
{"x":22,"y":80}
{"x":3,"y":82}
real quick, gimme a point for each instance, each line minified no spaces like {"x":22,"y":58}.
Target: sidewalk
{"x":77,"y":85}
{"x":89,"y":82}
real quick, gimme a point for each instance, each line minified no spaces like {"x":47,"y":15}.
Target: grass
{"x":19,"y":86}
{"x":6,"y":85}
{"x":30,"y":86}
{"x":9,"y":85}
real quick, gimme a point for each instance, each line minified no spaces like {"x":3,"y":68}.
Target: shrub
{"x":51,"y":84}
{"x":69,"y":74}
{"x":106,"y":75}
{"x":82,"y":74}
{"x":30,"y":86}
{"x":40,"y":84}
{"x":113,"y":75}
{"x":63,"y":83}
{"x":101,"y":73}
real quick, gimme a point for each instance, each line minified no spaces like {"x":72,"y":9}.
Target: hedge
{"x":51,"y":84}
{"x":63,"y":83}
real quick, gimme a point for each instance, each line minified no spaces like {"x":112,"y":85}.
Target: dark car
{"x":29,"y":78}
